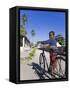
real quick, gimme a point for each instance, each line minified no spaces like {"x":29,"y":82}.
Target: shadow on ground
{"x":46,"y":74}
{"x":38,"y":69}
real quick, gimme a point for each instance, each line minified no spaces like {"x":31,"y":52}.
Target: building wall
{"x":26,"y":45}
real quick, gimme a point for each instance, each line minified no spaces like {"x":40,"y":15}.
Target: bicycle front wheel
{"x":42,"y":63}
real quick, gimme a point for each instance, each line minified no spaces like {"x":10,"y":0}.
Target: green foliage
{"x":24,"y":19}
{"x":60,"y":39}
{"x":31,"y":54}
{"x":22,"y":27}
{"x":33,"y":32}
{"x":23,"y":32}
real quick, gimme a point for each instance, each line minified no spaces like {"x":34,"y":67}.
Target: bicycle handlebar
{"x":58,"y":50}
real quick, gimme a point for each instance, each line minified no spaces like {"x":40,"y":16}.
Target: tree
{"x":23,"y":31}
{"x":24,"y":19}
{"x":33,"y":32}
{"x":60,"y":39}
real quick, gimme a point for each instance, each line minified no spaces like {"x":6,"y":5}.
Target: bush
{"x":31,"y":54}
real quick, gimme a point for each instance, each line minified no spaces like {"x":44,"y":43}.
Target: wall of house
{"x":27,"y":44}
{"x":22,"y":47}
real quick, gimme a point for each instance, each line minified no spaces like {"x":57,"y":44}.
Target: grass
{"x":30,"y":55}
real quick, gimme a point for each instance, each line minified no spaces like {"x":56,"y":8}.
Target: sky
{"x":43,"y":22}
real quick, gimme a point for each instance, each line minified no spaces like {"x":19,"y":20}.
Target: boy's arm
{"x":45,"y":46}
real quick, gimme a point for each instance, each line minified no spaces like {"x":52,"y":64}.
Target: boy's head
{"x":51,"y":34}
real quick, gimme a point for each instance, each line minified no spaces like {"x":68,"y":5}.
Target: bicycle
{"x":44,"y":64}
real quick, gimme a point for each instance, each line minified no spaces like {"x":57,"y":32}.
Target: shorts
{"x":53,"y":56}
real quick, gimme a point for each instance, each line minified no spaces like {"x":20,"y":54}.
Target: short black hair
{"x":52,"y":32}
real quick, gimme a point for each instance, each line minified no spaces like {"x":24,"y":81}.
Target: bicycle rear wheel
{"x":60,"y":69}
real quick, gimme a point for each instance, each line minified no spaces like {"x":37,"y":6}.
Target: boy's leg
{"x":53,"y":63}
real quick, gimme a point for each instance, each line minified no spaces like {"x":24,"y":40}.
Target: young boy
{"x":51,"y":44}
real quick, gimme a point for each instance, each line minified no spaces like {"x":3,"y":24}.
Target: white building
{"x":24,"y":45}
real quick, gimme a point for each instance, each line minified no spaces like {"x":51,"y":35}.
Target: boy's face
{"x":51,"y":36}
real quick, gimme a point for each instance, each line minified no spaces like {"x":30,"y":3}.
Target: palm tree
{"x":24,"y":19}
{"x":23,"y":31}
{"x":33,"y":32}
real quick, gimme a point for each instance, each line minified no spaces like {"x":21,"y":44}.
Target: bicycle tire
{"x":60,"y":70}
{"x":42,"y":63}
